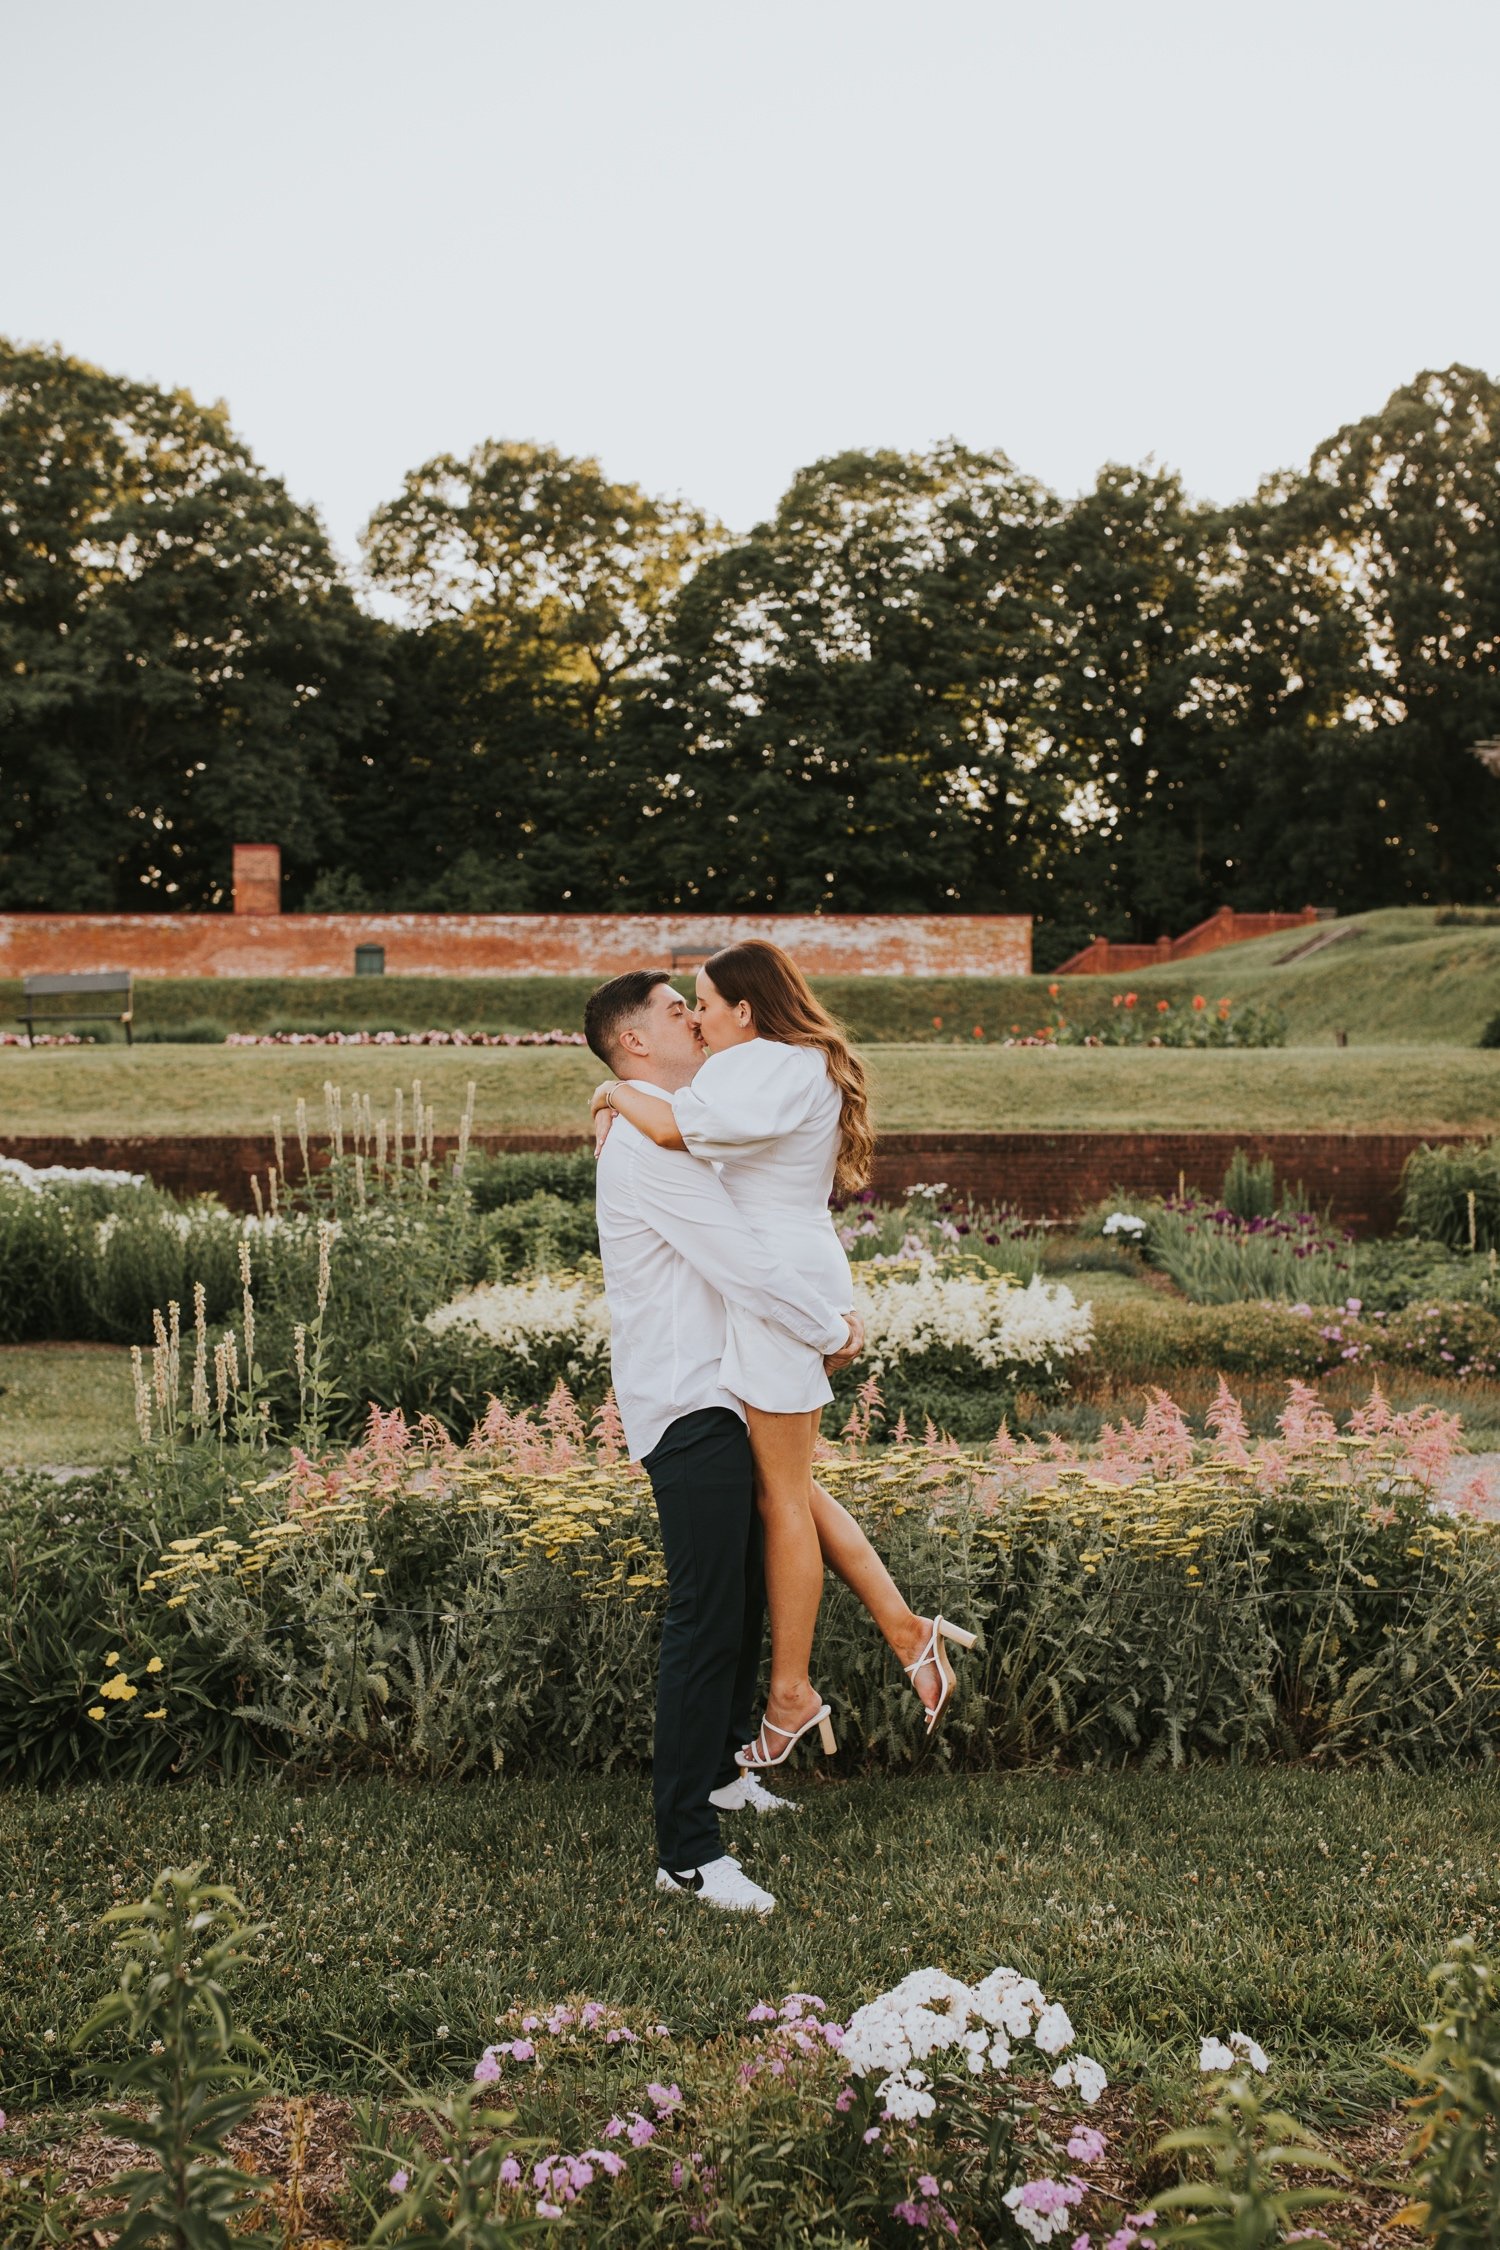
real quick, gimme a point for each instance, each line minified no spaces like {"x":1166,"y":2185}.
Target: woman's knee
{"x":783,"y":1498}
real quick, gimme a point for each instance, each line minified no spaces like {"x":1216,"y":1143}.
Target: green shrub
{"x":494,"y":1181}
{"x":1452,"y":1195}
{"x":1140,"y":1343}
{"x":1457,"y":1340}
{"x":1393,"y":1273}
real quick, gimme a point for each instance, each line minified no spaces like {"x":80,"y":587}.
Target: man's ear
{"x":630,"y":1042}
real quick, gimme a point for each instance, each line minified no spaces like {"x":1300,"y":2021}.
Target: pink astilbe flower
{"x":564,"y":1426}
{"x":1226,"y":1418}
{"x":901,"y":1435}
{"x":1305,"y":1424}
{"x":1165,"y":1435}
{"x":609,"y":1432}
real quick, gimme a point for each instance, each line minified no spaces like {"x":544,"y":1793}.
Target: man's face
{"x":665,"y":1033}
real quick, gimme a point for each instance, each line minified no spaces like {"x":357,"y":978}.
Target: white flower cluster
{"x":518,"y":1315}
{"x":1215,"y":2054}
{"x":39,"y":1176}
{"x":1126,"y":1223}
{"x":930,"y":2013}
{"x":1000,"y":1324}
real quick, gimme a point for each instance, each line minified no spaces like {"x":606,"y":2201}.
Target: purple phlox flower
{"x":915,"y":2214}
{"x":747,"y":2071}
{"x":614,"y":2128}
{"x":872,"y":2134}
{"x":778,"y":2068}
{"x":679,"y":2174}
{"x":580,"y":2172}
{"x":640,"y":2131}
{"x":529,"y":2023}
{"x":510,"y":2172}
{"x":546,"y":2210}
{"x":666,"y":2098}
{"x":1086,"y":2144}
{"x":486,"y":2070}
{"x":398,"y":2182}
{"x":522,"y":2050}
{"x":559,"y":2019}
{"x":795,"y":2002}
{"x":609,"y":2160}
{"x":660,"y":2031}
{"x":804,"y":2045}
{"x":592,"y":2011}
{"x":927,"y":2185}
{"x":616,"y":2033}
{"x":845,"y":2098}
{"x":762,"y":2012}
{"x":833,"y":2033}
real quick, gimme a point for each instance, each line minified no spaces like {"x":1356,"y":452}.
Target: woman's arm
{"x":650,"y":1114}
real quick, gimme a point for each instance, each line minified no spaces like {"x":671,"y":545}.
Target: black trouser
{"x":702,"y":1482}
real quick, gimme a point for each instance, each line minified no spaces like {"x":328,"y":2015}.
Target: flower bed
{"x":404,"y":1039}
{"x":433,"y":1608}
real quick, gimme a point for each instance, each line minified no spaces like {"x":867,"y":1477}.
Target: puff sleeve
{"x":749,"y":1097}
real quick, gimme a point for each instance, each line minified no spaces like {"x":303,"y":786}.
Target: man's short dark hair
{"x":611,"y":1008}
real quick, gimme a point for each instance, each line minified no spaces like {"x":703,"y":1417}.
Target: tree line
{"x":925,"y":683}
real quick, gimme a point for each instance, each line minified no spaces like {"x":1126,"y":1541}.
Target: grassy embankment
{"x":187,"y":1090}
{"x":1389,"y":979}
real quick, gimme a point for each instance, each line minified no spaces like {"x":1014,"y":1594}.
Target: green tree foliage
{"x":180,"y":659}
{"x":925,"y":683}
{"x":537,"y":588}
{"x":845,"y":710}
{"x":1369,"y":658}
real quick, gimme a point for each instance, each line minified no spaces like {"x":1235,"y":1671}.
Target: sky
{"x":709,"y":241}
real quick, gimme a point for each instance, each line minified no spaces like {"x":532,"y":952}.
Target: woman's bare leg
{"x":849,"y":1555}
{"x":782,"y":1445}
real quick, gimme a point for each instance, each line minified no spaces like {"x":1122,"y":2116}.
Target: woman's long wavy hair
{"x":785,"y":1008}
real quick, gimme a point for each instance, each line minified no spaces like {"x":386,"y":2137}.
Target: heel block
{"x":825,"y":1736}
{"x":956,"y":1634}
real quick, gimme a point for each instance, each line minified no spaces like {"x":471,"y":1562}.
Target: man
{"x":674,"y":1250}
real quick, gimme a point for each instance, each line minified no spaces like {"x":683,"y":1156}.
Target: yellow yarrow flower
{"x":161,"y":1714}
{"x":96,"y":1710}
{"x":118,"y":1689}
{"x":111,"y":1656}
{"x":153,"y":1664}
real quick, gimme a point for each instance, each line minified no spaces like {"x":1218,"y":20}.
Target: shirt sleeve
{"x":690,"y":1208}
{"x":749,"y":1097}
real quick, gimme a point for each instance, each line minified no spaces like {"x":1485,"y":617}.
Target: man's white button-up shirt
{"x":674,"y":1248}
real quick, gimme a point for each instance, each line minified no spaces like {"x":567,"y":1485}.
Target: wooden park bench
{"x":100,"y":984}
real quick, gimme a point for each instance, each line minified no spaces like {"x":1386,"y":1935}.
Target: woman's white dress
{"x":768,"y":1115}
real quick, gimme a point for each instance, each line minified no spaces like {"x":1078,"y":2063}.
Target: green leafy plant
{"x":449,"y":2195}
{"x":1254,"y":2150}
{"x":1455,"y":2147}
{"x":1452,"y":1195}
{"x":186,"y":2061}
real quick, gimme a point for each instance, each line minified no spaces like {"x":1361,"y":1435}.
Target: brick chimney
{"x":257,"y":878}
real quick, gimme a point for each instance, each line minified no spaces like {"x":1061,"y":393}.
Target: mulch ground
{"x":301,"y":2145}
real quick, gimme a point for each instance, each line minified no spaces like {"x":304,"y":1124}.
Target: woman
{"x":780,"y":1105}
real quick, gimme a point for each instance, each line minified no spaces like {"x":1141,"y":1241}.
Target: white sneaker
{"x":746,"y":1794}
{"x":723,"y":1883}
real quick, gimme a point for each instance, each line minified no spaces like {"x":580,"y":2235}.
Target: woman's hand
{"x":599,"y":1099}
{"x":603,"y":1119}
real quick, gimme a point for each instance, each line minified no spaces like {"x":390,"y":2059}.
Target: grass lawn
{"x":65,"y":1404}
{"x":1301,"y":1907}
{"x":185,"y":1090}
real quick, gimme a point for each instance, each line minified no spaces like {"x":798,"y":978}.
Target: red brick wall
{"x":1103,"y":957}
{"x":246,"y":944}
{"x":1044,"y":1175}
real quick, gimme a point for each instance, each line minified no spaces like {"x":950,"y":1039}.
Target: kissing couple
{"x":721,"y":1136}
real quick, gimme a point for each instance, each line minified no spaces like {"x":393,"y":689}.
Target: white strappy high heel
{"x":935,"y":1653}
{"x":756,"y":1756}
